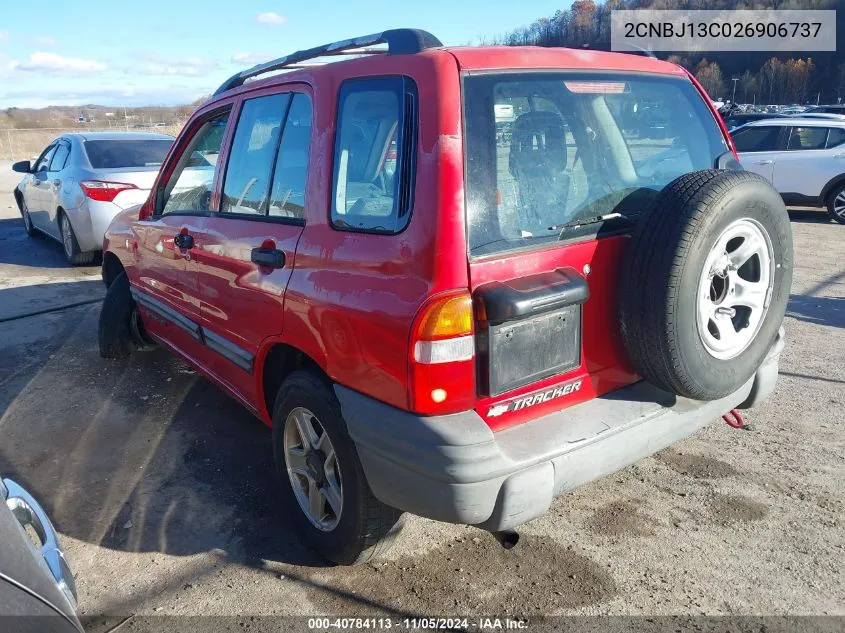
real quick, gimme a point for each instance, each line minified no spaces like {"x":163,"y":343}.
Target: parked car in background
{"x":37,"y":590}
{"x":826,"y":109}
{"x":822,"y":115}
{"x":438,"y":320}
{"x":733,"y":121}
{"x":804,"y":158}
{"x":81,"y":181}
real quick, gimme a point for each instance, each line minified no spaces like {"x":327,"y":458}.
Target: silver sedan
{"x":81,"y":181}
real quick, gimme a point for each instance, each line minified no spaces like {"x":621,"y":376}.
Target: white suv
{"x":803,"y":158}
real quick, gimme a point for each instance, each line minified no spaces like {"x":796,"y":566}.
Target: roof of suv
{"x":528,"y":57}
{"x":417,"y":42}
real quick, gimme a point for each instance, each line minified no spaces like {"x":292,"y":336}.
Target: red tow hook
{"x":734,"y":419}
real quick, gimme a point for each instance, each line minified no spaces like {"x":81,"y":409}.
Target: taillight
{"x":442,"y":356}
{"x":103,"y":191}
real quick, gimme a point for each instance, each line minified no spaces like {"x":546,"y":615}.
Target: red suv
{"x":457,"y":282}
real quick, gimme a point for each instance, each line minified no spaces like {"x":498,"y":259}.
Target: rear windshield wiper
{"x":586,"y":221}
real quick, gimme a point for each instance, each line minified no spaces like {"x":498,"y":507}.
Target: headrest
{"x":538,"y":139}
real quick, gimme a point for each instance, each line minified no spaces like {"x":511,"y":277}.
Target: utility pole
{"x":125,"y":120}
{"x":733,"y":99}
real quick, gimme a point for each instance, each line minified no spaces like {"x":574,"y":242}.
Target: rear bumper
{"x":454,"y":468}
{"x":90,"y":222}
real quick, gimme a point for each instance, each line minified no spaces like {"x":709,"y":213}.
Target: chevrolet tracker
{"x":457,"y":282}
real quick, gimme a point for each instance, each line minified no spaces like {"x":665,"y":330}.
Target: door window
{"x":807,"y":138}
{"x":759,"y":138}
{"x":835,"y":137}
{"x":60,"y":157}
{"x":44,"y":160}
{"x":247,"y":182}
{"x":374,"y":155}
{"x":287,"y":198}
{"x":189,"y":187}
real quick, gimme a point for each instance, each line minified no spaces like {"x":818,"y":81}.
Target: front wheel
{"x":324,"y":485}
{"x":28,"y":227}
{"x":836,"y":204}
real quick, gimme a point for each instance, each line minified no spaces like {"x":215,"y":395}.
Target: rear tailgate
{"x":549,"y":208}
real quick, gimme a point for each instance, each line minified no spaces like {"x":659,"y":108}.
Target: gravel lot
{"x":163,"y":488}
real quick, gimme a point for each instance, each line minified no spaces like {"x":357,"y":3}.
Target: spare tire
{"x":704,"y":282}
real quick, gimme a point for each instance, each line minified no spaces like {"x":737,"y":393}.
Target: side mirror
{"x":22,"y":167}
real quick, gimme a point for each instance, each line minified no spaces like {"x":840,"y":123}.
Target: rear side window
{"x":562,"y":155}
{"x":836,"y":137}
{"x":759,"y":138}
{"x":375,"y":149}
{"x":119,"y":154}
{"x":60,"y":157}
{"x":287,"y":195}
{"x":807,"y":138}
{"x":256,"y":139}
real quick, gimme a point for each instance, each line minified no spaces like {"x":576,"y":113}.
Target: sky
{"x":169,"y":52}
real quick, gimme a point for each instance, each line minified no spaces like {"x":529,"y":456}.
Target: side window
{"x":374,"y":156}
{"x":60,"y":157}
{"x":760,"y":138}
{"x":44,"y":160}
{"x":287,"y":197}
{"x":189,"y":188}
{"x":836,"y":137}
{"x":807,"y":138}
{"x":247,"y":181}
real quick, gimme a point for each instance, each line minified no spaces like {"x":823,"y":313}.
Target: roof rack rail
{"x":399,"y":42}
{"x":608,"y":47}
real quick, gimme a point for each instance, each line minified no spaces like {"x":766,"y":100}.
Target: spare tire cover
{"x":705,"y":281}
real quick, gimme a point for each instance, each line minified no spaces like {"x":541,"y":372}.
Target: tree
{"x":709,"y":75}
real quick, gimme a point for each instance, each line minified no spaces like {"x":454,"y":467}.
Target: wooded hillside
{"x":762,"y":77}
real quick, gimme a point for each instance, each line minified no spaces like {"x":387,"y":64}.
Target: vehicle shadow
{"x":38,"y":251}
{"x":810,"y":216}
{"x":143,"y":455}
{"x":819,"y":310}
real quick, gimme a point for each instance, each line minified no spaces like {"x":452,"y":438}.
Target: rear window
{"x":115,"y":154}
{"x":553,"y":156}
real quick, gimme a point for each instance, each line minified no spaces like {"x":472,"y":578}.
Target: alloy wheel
{"x":67,"y":236}
{"x":735,"y":289}
{"x":839,"y":204}
{"x":313,"y":469}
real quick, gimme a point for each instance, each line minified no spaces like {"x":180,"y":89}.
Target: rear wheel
{"x":324,"y":484}
{"x":73,"y":254}
{"x":836,"y":204}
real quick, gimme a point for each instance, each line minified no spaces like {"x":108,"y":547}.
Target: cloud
{"x":250,"y":59}
{"x":187,"y":67}
{"x":55,"y":64}
{"x":4,"y":37}
{"x":268,"y":17}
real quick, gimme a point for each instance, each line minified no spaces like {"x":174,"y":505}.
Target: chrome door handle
{"x":765,"y":162}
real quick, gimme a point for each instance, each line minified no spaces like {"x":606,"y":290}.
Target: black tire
{"x":70,"y":246}
{"x":662,"y":269}
{"x":831,"y":204}
{"x":28,"y":227}
{"x":120,"y":329}
{"x":366,"y":527}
